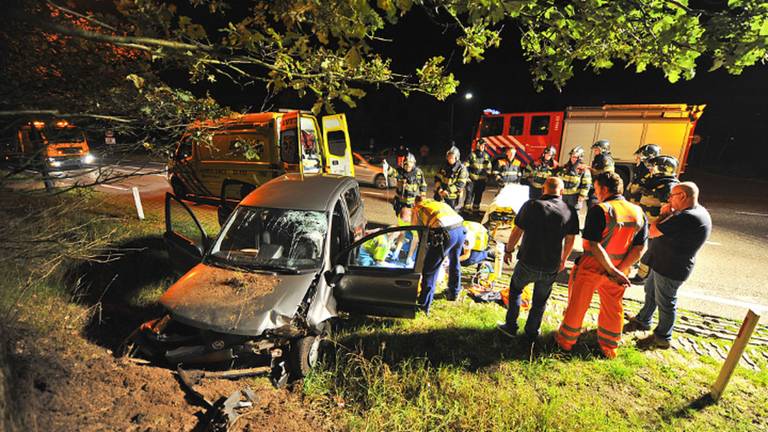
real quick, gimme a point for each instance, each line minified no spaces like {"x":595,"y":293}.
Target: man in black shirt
{"x":679,"y":232}
{"x":543,"y":224}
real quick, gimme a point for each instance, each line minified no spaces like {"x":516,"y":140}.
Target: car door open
{"x":380,"y":274}
{"x":184,"y":237}
{"x":337,"y":150}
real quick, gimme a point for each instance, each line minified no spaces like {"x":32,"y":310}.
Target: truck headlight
{"x":89,"y":159}
{"x":54,"y":163}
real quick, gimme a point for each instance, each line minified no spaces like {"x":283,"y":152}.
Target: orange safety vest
{"x":623,"y":220}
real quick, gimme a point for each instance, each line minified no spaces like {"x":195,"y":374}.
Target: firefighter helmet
{"x":549,"y":150}
{"x":603,"y":145}
{"x":648,"y":151}
{"x":664,"y":165}
{"x":481,"y":141}
{"x":455,"y":151}
{"x":577,"y":151}
{"x":410,"y":159}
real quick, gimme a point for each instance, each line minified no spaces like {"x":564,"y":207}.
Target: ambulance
{"x":627,"y":127}
{"x":227,"y":158}
{"x":53,"y":145}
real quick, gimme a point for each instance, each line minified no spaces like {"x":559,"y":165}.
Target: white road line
{"x":752,"y":213}
{"x":114,"y":187}
{"x":719,"y":300}
{"x":375,"y":193}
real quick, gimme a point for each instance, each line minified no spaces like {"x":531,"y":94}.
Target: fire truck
{"x":627,"y":127}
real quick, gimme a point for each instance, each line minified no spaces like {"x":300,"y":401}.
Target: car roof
{"x":300,"y":192}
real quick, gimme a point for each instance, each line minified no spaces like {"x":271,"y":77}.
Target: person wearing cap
{"x":451,"y":179}
{"x":410,"y":184}
{"x":507,"y":168}
{"x":539,"y":171}
{"x":445,"y":239}
{"x":577,"y":179}
{"x":479,"y":168}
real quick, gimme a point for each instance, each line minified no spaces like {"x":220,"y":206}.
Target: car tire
{"x":303,"y":355}
{"x":179,"y":190}
{"x":380,"y":181}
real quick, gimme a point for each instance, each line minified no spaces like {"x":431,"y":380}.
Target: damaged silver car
{"x":290,"y":257}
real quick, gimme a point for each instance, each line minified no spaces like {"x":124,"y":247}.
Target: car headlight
{"x":89,"y":158}
{"x":53,"y":162}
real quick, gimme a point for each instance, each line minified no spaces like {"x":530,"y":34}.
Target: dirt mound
{"x":83,"y":387}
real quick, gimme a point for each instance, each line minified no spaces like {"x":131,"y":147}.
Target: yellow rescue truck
{"x":54,"y":145}
{"x":229,"y":157}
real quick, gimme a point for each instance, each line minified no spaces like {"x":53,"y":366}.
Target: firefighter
{"x":602,"y":161}
{"x":445,"y":238}
{"x":451,"y":179}
{"x":538,"y":172}
{"x":479,"y":168}
{"x":641,"y":172}
{"x":614,"y":235}
{"x":475,"y":249}
{"x":410,"y":184}
{"x":654,"y":195}
{"x":576,"y":179}
{"x":507,"y":168}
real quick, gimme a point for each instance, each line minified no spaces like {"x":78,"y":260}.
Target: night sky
{"x":733,"y":126}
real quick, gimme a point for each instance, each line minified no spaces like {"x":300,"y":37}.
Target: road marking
{"x":713,"y":243}
{"x":752,"y":213}
{"x":714,"y":299}
{"x":114,"y":187}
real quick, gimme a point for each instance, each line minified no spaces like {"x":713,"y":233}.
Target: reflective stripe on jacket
{"x":409,"y":184}
{"x":477,"y":236}
{"x":452,"y":178}
{"x":437,"y":214}
{"x":539,"y":172}
{"x":507,"y":172}
{"x":655,"y":194}
{"x":575,"y":181}
{"x":623,"y":220}
{"x":478,"y":165}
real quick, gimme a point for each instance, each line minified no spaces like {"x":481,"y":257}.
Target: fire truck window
{"x":337,"y":143}
{"x":492,"y":126}
{"x":540,"y":125}
{"x":515,"y":126}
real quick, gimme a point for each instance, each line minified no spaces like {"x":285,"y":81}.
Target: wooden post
{"x":734,"y":355}
{"x":137,"y":200}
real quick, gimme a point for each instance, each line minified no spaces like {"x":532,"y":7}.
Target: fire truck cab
{"x":627,"y":127}
{"x":55,"y":145}
{"x":227,"y":158}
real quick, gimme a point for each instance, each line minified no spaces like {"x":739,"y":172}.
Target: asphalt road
{"x":731,"y":273}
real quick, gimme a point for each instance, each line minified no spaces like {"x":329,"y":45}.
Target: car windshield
{"x":280,"y":240}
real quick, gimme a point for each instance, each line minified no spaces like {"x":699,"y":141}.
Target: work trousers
{"x":475,"y":191}
{"x":542,"y":288}
{"x":661,"y":292}
{"x":450,"y":245}
{"x":475,"y":257}
{"x":610,"y":320}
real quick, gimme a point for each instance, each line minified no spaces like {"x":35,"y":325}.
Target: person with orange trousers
{"x":615,"y":233}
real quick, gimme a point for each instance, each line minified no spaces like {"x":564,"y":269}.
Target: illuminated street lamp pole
{"x":467,"y":96}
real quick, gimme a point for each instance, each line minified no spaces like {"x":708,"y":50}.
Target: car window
{"x":352,"y":199}
{"x":183,"y":223}
{"x":394,"y":249}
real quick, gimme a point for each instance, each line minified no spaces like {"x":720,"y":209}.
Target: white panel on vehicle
{"x":577,"y":133}
{"x":625,"y":138}
{"x":670,"y":136}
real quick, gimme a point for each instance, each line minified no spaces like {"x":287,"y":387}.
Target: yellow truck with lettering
{"x":51,"y":145}
{"x":228,"y":157}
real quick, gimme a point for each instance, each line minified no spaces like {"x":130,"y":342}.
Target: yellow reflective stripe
{"x":569,"y":328}
{"x":567,"y":336}
{"x":610,"y":343}
{"x":608,"y":332}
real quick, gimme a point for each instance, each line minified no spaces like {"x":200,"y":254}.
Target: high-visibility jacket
{"x":640,"y":176}
{"x":655,"y":194}
{"x":409,"y":184}
{"x":603,"y":163}
{"x":507,"y":172}
{"x":477,"y":236}
{"x":539,"y":171}
{"x":478,"y":165}
{"x":623,"y":220}
{"x":576,"y":180}
{"x":377,"y":247}
{"x":452,"y":178}
{"x":437,"y":214}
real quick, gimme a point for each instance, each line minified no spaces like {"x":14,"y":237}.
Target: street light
{"x":467,"y":97}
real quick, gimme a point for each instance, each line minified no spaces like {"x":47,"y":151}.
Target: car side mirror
{"x":333,"y":276}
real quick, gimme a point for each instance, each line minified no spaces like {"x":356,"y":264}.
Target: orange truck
{"x":627,"y":127}
{"x":55,"y":145}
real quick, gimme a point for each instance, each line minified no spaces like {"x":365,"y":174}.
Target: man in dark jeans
{"x":548,"y":227}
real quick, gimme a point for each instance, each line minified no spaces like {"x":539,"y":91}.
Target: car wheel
{"x":304,"y":354}
{"x":380,"y":181}
{"x":178,"y":188}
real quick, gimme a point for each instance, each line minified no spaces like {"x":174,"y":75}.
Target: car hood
{"x":235,"y":302}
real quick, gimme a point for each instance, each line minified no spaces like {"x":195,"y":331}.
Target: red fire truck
{"x":627,"y":127}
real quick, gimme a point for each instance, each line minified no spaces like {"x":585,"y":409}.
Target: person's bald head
{"x":553,"y":186}
{"x":684,"y":195}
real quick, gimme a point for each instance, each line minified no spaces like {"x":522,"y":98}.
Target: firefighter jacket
{"x":602,"y":163}
{"x":437,"y":214}
{"x":539,"y":171}
{"x":377,"y":247}
{"x":507,"y":172}
{"x":576,"y":179}
{"x":479,"y":165}
{"x":409,"y":184}
{"x":655,"y":194}
{"x":477,"y":236}
{"x":623,"y":220}
{"x":640,"y":176}
{"x":452,"y":178}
